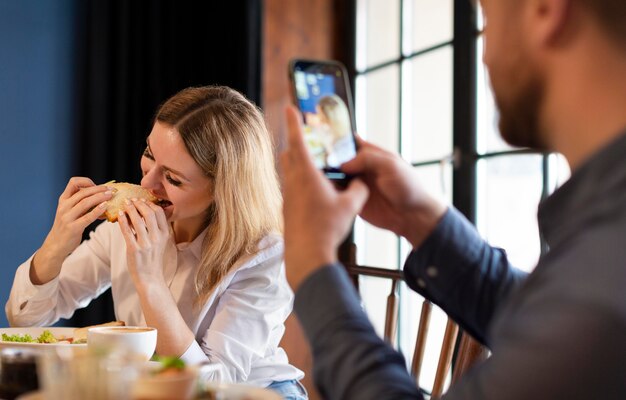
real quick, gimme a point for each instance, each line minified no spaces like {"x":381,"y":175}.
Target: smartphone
{"x":321,"y":92}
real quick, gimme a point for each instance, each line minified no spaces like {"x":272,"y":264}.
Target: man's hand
{"x":396,"y":202}
{"x":317,"y":215}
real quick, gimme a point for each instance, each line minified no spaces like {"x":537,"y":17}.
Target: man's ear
{"x":550,"y":20}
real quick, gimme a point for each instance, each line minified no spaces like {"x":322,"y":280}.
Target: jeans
{"x":290,"y":390}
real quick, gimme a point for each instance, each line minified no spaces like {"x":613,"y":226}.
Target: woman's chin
{"x":169,"y":212}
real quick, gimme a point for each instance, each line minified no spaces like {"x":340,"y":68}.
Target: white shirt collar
{"x":195,"y":246}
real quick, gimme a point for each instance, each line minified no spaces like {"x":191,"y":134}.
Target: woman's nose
{"x":150,"y":181}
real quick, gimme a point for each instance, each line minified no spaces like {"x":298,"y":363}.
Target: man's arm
{"x":457,"y":270}
{"x":551,"y":348}
{"x":350,"y":360}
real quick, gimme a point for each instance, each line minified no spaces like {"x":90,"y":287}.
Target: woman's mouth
{"x":163,"y":203}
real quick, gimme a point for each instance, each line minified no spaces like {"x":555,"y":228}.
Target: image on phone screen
{"x":322,"y":96}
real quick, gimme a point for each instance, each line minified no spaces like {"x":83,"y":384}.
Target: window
{"x":421,"y":90}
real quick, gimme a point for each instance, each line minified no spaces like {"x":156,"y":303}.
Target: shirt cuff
{"x":453,"y":244}
{"x":194,"y":354}
{"x":31,"y":292}
{"x":324,"y":296}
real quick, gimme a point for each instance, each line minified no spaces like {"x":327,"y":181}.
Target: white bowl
{"x":140,"y":340}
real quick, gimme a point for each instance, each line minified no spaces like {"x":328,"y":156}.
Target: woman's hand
{"x":80,"y":204}
{"x":146,"y":232}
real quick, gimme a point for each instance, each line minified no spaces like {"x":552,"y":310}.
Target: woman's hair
{"x":227,"y":137}
{"x":337,"y":115}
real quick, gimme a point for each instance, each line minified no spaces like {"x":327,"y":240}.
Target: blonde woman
{"x":206,"y":269}
{"x":336,"y":130}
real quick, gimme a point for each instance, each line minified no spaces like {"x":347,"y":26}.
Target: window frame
{"x":465,"y":156}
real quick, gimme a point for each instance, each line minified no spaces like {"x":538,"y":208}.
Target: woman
{"x":205,"y":270}
{"x":336,"y":130}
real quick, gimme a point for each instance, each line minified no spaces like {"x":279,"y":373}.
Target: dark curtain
{"x":133,"y":55}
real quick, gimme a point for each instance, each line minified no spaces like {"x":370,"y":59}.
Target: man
{"x":558,"y":70}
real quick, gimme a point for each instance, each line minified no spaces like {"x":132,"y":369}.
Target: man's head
{"x":521,"y":39}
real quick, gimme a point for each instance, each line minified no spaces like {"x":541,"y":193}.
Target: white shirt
{"x":239,"y":327}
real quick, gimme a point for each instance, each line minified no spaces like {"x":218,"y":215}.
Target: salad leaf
{"x":26,"y":338}
{"x":169,"y":362}
{"x":45,"y":337}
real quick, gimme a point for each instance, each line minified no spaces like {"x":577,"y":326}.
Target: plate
{"x":35,"y":332}
{"x":227,"y":391}
{"x":237,"y":391}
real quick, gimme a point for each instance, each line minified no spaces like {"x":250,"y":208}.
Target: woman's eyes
{"x":148,"y":154}
{"x":172,"y":181}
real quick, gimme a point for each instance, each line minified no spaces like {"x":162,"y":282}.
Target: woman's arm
{"x":84,"y":275}
{"x":145,"y":249}
{"x":80,"y":204}
{"x":249,"y":318}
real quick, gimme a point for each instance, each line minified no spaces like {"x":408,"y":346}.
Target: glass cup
{"x":18,"y":372}
{"x":77,"y":374}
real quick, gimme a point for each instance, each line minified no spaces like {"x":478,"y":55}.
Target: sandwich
{"x":123,"y":191}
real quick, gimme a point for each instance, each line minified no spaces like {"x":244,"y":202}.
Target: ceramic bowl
{"x":140,"y":340}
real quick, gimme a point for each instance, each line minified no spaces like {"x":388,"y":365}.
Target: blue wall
{"x":36,"y":78}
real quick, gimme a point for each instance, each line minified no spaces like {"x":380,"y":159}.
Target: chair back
{"x":468,"y":351}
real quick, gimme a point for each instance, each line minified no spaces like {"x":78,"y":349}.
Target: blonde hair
{"x":337,"y":115}
{"x":227,"y":137}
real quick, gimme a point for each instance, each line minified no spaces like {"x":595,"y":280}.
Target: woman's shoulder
{"x":269,"y":250}
{"x":270,"y":241}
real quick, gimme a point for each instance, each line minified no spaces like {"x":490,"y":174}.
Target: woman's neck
{"x":187,"y":230}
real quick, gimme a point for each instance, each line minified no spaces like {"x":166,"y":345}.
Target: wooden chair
{"x":468,"y":351}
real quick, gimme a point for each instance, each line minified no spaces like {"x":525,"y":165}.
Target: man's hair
{"x":611,"y":15}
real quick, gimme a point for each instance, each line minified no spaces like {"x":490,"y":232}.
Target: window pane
{"x":375,"y":247}
{"x":377,"y":110}
{"x":559,"y":171}
{"x":374,"y":292}
{"x":488,"y":136}
{"x":378,"y":32}
{"x":427,"y":108}
{"x":508,"y":193}
{"x":426,"y":23}
{"x":436,"y":180}
{"x":480,"y":18}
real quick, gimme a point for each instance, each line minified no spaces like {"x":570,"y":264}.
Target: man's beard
{"x":519,"y":114}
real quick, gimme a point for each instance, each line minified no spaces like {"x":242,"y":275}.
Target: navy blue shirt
{"x":558,"y":333}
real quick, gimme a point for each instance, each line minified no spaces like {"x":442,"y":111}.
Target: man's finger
{"x":358,"y":165}
{"x":295,"y":137}
{"x":355,"y":195}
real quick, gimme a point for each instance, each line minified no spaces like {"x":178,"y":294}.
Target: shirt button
{"x":432,"y":271}
{"x":421,"y":283}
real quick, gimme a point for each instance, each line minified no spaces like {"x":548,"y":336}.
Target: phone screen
{"x":323,"y":97}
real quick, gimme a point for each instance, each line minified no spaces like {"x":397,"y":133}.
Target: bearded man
{"x":558,"y":71}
